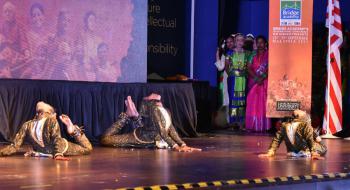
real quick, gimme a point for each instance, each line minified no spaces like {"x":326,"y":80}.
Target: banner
{"x":290,"y":57}
{"x":166,"y":47}
{"x":81,"y":40}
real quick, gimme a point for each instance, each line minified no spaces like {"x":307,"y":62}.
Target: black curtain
{"x":92,"y":105}
{"x":228,"y":17}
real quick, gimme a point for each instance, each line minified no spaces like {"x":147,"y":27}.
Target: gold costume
{"x":47,"y":140}
{"x":304,"y":139}
{"x":153,"y":129}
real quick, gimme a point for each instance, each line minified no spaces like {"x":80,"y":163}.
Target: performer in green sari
{"x":236,"y":68}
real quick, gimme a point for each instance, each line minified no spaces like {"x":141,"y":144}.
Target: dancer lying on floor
{"x":299,"y":137}
{"x":43,"y":133}
{"x":152,"y":127}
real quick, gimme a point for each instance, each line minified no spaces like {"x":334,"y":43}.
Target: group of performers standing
{"x":243,"y":62}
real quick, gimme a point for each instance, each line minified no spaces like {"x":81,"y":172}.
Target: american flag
{"x":332,"y":120}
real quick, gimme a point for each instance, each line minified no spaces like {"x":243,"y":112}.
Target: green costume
{"x":237,"y":80}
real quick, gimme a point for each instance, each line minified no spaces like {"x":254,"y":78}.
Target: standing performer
{"x":43,"y":133}
{"x":152,"y":127}
{"x":226,"y":50}
{"x":299,"y":137}
{"x":236,"y":68}
{"x":256,"y":100}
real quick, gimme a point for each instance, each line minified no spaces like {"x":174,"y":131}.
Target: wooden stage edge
{"x":227,"y":161}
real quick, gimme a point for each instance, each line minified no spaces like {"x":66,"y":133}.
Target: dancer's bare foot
{"x":131,"y":110}
{"x":136,"y":113}
{"x":66,"y":121}
{"x":154,"y":96}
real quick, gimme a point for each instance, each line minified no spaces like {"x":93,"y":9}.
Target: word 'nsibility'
{"x":162,"y":49}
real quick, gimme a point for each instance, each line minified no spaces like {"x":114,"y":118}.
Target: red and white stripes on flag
{"x":332,"y":121}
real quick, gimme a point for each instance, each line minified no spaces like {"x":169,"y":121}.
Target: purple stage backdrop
{"x":80,"y":40}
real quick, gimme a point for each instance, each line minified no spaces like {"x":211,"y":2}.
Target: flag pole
{"x":328,"y":134}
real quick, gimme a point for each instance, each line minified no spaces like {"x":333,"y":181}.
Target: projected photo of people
{"x":78,"y":40}
{"x":38,"y":43}
{"x":14,"y":44}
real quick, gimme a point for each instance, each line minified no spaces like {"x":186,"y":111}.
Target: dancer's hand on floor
{"x":267,"y":155}
{"x":62,"y":158}
{"x":187,"y":149}
{"x":316,"y":156}
{"x":191,"y":149}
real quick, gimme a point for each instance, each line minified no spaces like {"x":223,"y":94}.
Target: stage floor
{"x":224,"y":157}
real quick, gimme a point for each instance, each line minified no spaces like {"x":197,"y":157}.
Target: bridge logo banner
{"x":290,"y":57}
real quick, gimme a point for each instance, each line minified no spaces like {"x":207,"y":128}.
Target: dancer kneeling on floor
{"x":152,"y":127}
{"x":300,"y":138}
{"x":43,"y":133}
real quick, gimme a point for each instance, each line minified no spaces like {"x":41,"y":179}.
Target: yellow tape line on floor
{"x":257,"y":181}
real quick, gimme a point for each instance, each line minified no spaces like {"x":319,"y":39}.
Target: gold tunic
{"x":304,"y":139}
{"x":148,"y":132}
{"x":50,"y":142}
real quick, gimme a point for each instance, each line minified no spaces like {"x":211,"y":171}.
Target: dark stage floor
{"x":224,"y":157}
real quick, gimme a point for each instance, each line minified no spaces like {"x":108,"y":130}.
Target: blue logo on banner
{"x":290,"y":13}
